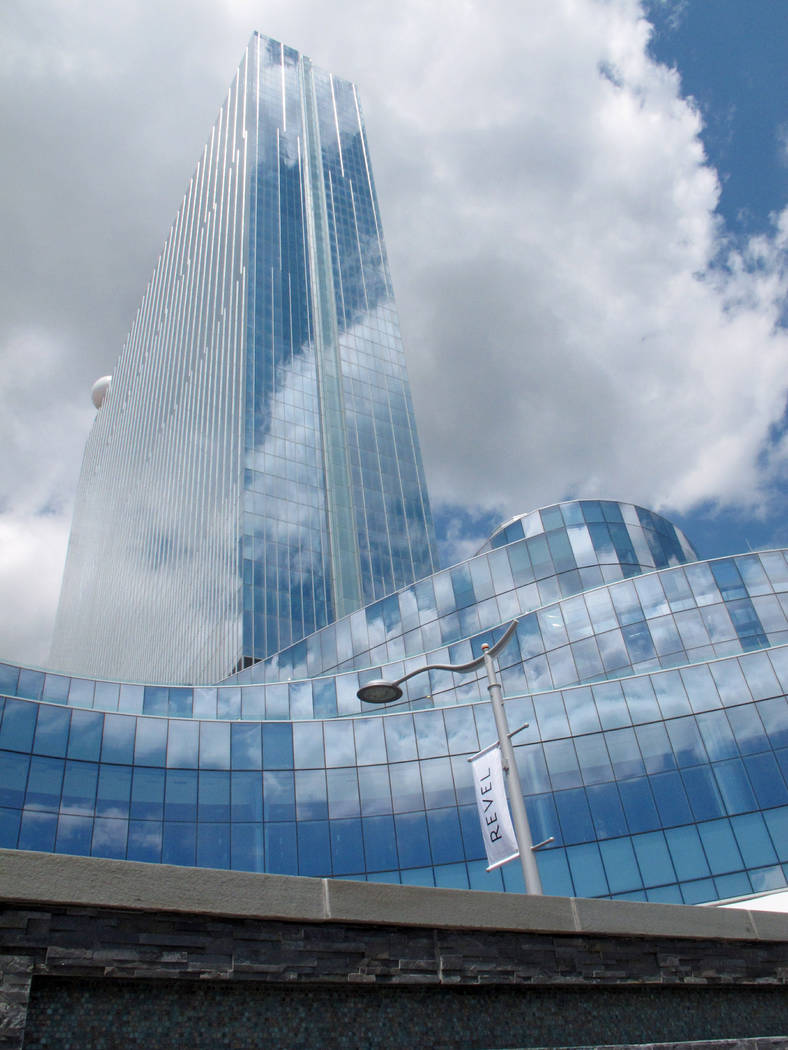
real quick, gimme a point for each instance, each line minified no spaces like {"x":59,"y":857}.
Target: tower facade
{"x":253,"y":472}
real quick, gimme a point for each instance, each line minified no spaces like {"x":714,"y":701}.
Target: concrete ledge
{"x":46,"y":878}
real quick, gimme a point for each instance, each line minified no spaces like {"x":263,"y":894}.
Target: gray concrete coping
{"x":36,"y":879}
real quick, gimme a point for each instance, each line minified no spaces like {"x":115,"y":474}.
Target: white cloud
{"x":575,"y":319}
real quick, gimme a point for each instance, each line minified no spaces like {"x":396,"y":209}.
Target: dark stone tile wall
{"x":109,"y":977}
{"x":147,"y":1015}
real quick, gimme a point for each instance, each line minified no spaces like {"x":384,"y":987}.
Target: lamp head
{"x":379,"y":692}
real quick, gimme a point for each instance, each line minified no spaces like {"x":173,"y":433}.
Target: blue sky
{"x":733,"y":61}
{"x":732,"y":58}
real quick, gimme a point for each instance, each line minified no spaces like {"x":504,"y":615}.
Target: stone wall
{"x":105,"y":954}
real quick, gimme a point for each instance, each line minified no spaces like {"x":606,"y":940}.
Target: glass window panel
{"x":562,"y":764}
{"x":769,"y":613}
{"x":340,"y":747}
{"x":581,"y":711}
{"x":311,"y":799}
{"x":578,"y":625}
{"x":606,"y":810}
{"x":13,"y":778}
{"x":562,"y":666}
{"x":406,"y":786}
{"x":79,"y":787}
{"x":779,"y":661}
{"x":702,"y":791}
{"x":593,"y":758}
{"x":246,"y":847}
{"x":73,"y":835}
{"x":734,"y":786}
{"x":574,"y":815}
{"x":412,"y":840}
{"x":655,"y":747}
{"x":671,"y":799}
{"x":686,"y":852}
{"x":600,"y":610}
{"x":214,"y":745}
{"x":84,"y":741}
{"x":52,"y":731}
{"x":678,"y":590}
{"x":551,"y":625}
{"x":182,"y":743}
{"x":639,"y":808}
{"x":213,"y":795}
{"x":37,"y":831}
{"x":717,"y":622}
{"x":280,"y":848}
{"x":44,"y":783}
{"x":774,"y":715}
{"x":147,"y":794}
{"x":716,"y":734}
{"x":624,"y":753}
{"x":114,"y":791}
{"x":155,"y":700}
{"x":720,"y":846}
{"x":753,"y":840}
{"x":278,"y":745}
{"x":461,"y":730}
{"x":621,"y":866}
{"x":686,"y":741}
{"x":550,"y":715}
{"x":437,"y":783}
{"x":445,"y":838}
{"x":347,"y":851}
{"x":278,"y":795}
{"x":700,"y":687}
{"x":654,"y":858}
{"x":380,"y":846}
{"x":671,"y":695}
{"x":400,"y":737}
{"x":370,"y":743}
{"x":308,"y":745}
{"x":19,"y":720}
{"x":180,"y":796}
{"x":118,"y":740}
{"x":532,"y":767}
{"x":213,"y":845}
{"x":748,"y":729}
{"x":760,"y":676}
{"x":691,"y":628}
{"x":374,"y":790}
{"x":179,"y":843}
{"x":587,"y":659}
{"x":150,"y":744}
{"x":246,"y":746}
{"x":343,"y":798}
{"x":728,"y":579}
{"x":702,"y":583}
{"x":665,"y":636}
{"x":730,"y":681}
{"x":612,"y":649}
{"x":642,"y":703}
{"x":587,"y":871}
{"x":246,"y":796}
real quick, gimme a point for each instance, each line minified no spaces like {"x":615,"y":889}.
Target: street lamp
{"x":383,"y":692}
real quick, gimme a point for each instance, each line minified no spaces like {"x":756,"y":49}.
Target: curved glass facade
{"x":656,"y":753}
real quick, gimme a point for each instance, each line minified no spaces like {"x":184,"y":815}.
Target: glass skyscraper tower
{"x":253,"y":472}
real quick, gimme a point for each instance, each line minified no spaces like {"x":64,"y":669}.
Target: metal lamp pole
{"x":383,"y":692}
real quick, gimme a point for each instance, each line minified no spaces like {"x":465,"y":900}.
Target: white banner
{"x":494,"y":817}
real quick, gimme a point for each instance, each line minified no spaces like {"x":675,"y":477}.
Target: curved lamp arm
{"x":383,"y":692}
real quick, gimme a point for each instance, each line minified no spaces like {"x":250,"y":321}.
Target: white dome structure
{"x":99,"y":390}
